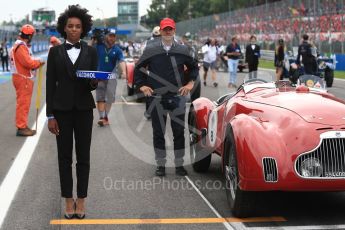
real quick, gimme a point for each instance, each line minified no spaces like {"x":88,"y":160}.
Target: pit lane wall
{"x":340,"y":62}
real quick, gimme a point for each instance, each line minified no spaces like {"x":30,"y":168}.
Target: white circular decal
{"x":212,"y":128}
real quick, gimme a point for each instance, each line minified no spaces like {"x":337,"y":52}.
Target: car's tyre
{"x":130,"y":91}
{"x":329,"y":77}
{"x":200,"y":158}
{"x":242,"y":203}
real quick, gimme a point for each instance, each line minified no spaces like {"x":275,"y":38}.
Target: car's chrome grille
{"x":328,"y":160}
{"x":270,"y":169}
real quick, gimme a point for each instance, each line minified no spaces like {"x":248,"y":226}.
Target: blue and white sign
{"x":96,"y":75}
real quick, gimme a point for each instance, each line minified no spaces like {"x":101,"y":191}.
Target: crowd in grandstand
{"x":322,"y":20}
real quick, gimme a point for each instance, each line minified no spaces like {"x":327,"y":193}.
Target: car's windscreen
{"x":263,"y":80}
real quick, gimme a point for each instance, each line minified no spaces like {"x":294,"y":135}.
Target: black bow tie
{"x":70,"y":46}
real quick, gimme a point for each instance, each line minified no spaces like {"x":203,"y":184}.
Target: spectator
{"x":210,"y":51}
{"x":233,"y":51}
{"x":279,"y":59}
{"x":4,"y":56}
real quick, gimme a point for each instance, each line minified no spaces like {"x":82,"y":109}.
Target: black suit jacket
{"x":64,"y":91}
{"x":252,"y":55}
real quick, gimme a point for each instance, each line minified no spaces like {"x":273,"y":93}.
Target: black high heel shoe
{"x":70,"y":216}
{"x":79,"y":216}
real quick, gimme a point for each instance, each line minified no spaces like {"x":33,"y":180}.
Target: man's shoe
{"x":105,"y":121}
{"x":147,"y":115}
{"x":160,"y":171}
{"x":204,"y":83}
{"x":180,"y":171}
{"x":26,"y":132}
{"x":101,"y":122}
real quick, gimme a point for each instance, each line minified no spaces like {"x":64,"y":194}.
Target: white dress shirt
{"x":73,"y":53}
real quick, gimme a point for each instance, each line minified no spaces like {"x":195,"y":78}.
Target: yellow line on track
{"x":164,"y":221}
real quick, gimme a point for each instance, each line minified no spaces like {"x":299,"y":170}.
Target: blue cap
{"x":110,"y":31}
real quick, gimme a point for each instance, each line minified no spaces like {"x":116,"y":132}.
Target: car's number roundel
{"x":212,"y":127}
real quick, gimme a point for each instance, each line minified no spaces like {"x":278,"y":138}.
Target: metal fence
{"x":322,"y":20}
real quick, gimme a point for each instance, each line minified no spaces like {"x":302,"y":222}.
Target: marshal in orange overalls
{"x":23,"y":63}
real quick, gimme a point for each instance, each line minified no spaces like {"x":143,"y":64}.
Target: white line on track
{"x":124,"y":99}
{"x":226,"y":225}
{"x":15,"y":174}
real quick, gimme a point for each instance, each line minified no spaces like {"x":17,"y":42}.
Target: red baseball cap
{"x":167,"y":22}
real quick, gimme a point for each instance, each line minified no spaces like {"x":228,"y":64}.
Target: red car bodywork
{"x":278,"y":123}
{"x":130,"y":73}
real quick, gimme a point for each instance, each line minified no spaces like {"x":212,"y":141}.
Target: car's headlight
{"x":311,"y":167}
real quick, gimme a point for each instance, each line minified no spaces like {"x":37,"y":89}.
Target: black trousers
{"x":175,"y":106}
{"x":78,"y":124}
{"x":253,"y":68}
{"x":310,"y":67}
{"x":4,"y":61}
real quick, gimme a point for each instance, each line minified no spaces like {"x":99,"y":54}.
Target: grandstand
{"x":323,"y":20}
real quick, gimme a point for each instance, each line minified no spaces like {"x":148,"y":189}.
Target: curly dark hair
{"x":78,"y":12}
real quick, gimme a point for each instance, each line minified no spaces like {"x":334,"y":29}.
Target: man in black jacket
{"x":252,"y":57}
{"x":308,"y":59}
{"x":160,"y":74}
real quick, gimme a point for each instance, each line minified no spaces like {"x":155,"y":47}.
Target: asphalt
{"x":122,"y":183}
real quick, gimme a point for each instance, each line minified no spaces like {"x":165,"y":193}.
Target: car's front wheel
{"x":200,"y":158}
{"x":241,"y":202}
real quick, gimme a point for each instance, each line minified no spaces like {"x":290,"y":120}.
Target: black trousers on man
{"x":310,"y":67}
{"x":79,"y":124}
{"x":175,"y":106}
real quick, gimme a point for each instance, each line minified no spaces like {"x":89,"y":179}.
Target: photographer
{"x":108,"y":56}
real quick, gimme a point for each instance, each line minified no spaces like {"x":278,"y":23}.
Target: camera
{"x":98,"y":35}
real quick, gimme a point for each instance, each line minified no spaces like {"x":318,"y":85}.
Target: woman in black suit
{"x":252,"y":57}
{"x":70,"y":104}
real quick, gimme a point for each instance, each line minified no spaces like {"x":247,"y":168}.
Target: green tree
{"x":179,"y":9}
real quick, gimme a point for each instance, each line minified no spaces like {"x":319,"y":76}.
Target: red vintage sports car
{"x":271,"y":136}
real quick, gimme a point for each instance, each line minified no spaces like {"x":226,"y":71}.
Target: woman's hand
{"x":53,"y":126}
